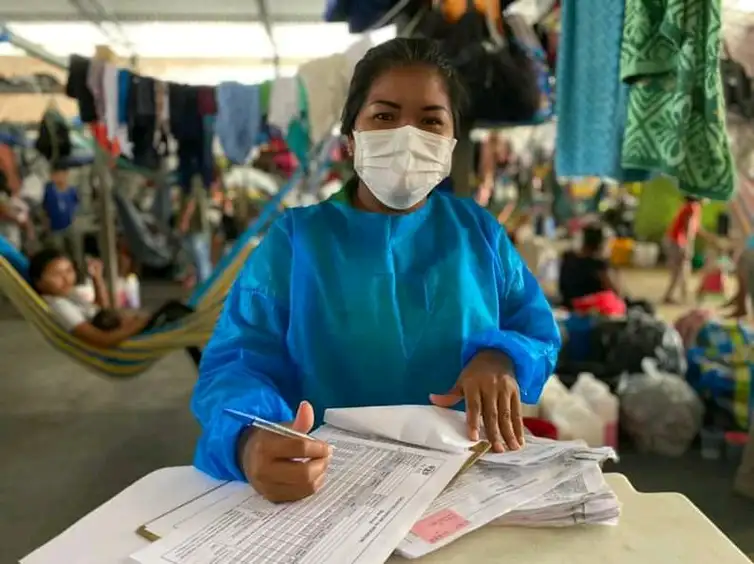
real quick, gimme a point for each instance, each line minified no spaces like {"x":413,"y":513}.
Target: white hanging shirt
{"x":326,"y":83}
{"x":284,"y":103}
{"x":110,"y":91}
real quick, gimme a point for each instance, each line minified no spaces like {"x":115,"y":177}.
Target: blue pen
{"x":260,"y":423}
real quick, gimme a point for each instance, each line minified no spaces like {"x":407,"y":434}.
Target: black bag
{"x":500,"y":77}
{"x":54,"y":140}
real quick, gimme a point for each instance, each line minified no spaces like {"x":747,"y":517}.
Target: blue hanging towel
{"x":124,"y":88}
{"x":591,"y":102}
{"x":239,"y":119}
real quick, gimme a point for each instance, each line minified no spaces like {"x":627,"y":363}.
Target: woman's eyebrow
{"x":435,"y":108}
{"x":386,"y":103}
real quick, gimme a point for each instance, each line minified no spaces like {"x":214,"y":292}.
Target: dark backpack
{"x":54,"y":140}
{"x":502,"y":79}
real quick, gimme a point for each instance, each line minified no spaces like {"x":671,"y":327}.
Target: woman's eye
{"x":383,"y":116}
{"x":434,"y":122}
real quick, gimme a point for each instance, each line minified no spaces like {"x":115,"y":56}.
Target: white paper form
{"x":373,"y":495}
{"x":585,"y":498}
{"x":479,"y":496}
{"x":541,"y":451}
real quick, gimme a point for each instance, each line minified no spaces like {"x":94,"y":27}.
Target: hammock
{"x":137,"y":354}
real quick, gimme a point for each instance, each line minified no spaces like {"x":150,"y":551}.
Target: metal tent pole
{"x":108,"y":243}
{"x":32,"y":49}
{"x":264,"y":16}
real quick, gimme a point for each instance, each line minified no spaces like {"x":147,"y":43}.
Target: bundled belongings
{"x":720,"y":369}
{"x":54,"y":141}
{"x":503,"y":79}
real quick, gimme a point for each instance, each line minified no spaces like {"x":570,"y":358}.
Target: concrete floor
{"x":69,"y":440}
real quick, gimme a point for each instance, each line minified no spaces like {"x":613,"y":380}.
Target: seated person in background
{"x":389,"y":293}
{"x":585,"y":272}
{"x":15,"y":224}
{"x":98,"y":324}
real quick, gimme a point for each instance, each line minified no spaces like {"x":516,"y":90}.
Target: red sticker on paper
{"x":437,"y":526}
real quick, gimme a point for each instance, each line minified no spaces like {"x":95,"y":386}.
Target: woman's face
{"x":414,"y":95}
{"x":409,"y":95}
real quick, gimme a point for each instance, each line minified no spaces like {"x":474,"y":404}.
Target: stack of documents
{"x":402,"y":479}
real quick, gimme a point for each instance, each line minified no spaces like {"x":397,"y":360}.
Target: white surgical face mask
{"x":401,"y":166}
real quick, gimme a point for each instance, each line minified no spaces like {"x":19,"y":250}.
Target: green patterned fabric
{"x":676,"y":113}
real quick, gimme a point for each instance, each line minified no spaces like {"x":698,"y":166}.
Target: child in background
{"x":679,"y":247}
{"x":60,"y":203}
{"x":99,"y":324}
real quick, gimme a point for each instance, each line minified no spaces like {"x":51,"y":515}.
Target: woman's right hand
{"x":285,"y":468}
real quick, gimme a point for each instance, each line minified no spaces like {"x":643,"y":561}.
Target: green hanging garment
{"x":676,"y":112}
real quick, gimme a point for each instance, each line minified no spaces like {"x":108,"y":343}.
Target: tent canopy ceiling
{"x":294,"y":42}
{"x":161,"y":10}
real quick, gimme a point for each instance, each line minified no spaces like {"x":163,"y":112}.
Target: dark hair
{"x":401,"y":52}
{"x":594,"y":237}
{"x":39,"y":263}
{"x":692,"y":199}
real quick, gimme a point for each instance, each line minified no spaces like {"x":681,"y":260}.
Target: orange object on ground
{"x":622,"y":252}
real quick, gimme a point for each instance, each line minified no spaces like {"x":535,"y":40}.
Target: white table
{"x":663,"y":528}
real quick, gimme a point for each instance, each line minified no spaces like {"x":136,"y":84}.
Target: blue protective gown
{"x":347,"y":308}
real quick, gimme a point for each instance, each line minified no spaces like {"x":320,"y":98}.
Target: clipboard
{"x":146,"y":532}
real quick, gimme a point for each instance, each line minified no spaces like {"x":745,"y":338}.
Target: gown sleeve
{"x":528,"y":333}
{"x":246,"y":365}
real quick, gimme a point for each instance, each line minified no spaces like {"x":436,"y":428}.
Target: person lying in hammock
{"x":53,"y":276}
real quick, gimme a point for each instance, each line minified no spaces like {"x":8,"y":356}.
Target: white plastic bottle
{"x":132,"y":291}
{"x":570,"y":414}
{"x":602,"y":402}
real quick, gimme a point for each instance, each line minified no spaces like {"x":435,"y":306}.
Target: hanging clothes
{"x":142,"y":121}
{"x":326,"y":81}
{"x":361,"y":15}
{"x":284,"y":103}
{"x":591,"y":101}
{"x":124,"y":87}
{"x":77,"y":88}
{"x":207,"y":101}
{"x":239,"y":119}
{"x":187,"y":126}
{"x":265,"y":89}
{"x":676,"y":114}
{"x":116,"y":132}
{"x":94,"y":83}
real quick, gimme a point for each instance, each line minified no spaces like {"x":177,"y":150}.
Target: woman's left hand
{"x":490,"y":390}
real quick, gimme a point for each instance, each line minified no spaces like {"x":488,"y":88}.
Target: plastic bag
{"x":642,"y":336}
{"x":660,"y":411}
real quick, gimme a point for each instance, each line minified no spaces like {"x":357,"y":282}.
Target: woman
{"x":679,"y":247}
{"x":586,"y":272}
{"x":386,"y":294}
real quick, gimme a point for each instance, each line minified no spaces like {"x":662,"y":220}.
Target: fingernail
{"x":498,"y":447}
{"x":474,"y":434}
